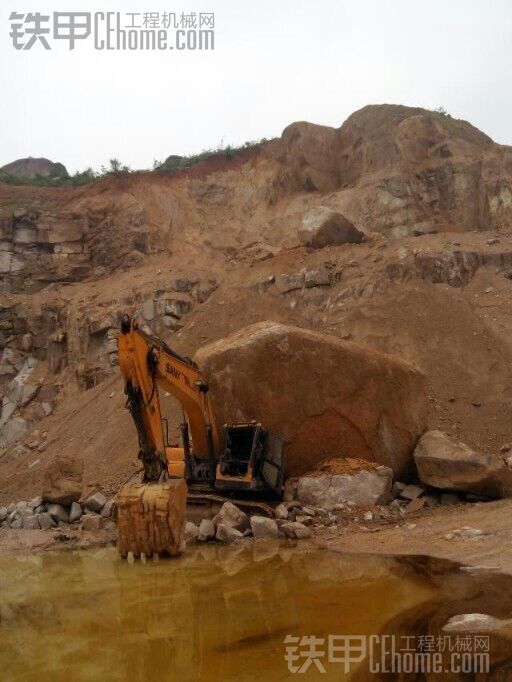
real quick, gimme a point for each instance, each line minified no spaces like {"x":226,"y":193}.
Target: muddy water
{"x":218,"y":613}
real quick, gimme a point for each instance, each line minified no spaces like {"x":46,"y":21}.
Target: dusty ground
{"x":424,"y":533}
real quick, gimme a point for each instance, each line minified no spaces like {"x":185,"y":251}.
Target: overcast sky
{"x":274,"y":62}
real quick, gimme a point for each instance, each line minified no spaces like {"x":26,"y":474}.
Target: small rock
{"x":191,"y":531}
{"x":230,"y":515}
{"x":468,"y":532}
{"x":281,"y":511}
{"x":92,"y":522}
{"x":295,"y":530}
{"x":397,"y":488}
{"x":58,"y":513}
{"x":62,"y":479}
{"x":316,"y":278}
{"x":262,"y":526}
{"x":95,"y":502}
{"x":45,"y":521}
{"x":75,"y":512}
{"x":290,"y":491}
{"x":368,"y":516}
{"x":415,"y":505}
{"x":492,"y":241}
{"x":108,"y":509}
{"x":227,"y":534}
{"x":47,"y":408}
{"x":304,"y":519}
{"x":31,"y":522}
{"x":35,"y":502}
{"x":411,"y":492}
{"x":206,"y":530}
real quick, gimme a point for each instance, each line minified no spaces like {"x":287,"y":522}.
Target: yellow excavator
{"x":247,"y":458}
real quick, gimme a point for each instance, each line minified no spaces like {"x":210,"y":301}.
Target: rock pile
{"x":91,"y":513}
{"x":231,"y":524}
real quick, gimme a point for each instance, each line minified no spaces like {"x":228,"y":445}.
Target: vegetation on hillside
{"x":176,"y":163}
{"x":171,"y":164}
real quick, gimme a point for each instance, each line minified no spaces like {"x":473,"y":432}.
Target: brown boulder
{"x":321,"y":226}
{"x":326,"y":397}
{"x":311,"y":154}
{"x":63,"y":480}
{"x":449,"y":465}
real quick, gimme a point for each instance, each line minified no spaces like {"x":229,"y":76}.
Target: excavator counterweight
{"x":246,"y":458}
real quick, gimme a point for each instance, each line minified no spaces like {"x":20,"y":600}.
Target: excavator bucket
{"x":151,"y":518}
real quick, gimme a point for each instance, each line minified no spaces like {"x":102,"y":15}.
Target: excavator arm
{"x":147,"y":363}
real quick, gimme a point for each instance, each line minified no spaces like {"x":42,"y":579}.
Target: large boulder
{"x":311,"y":156}
{"x":450,"y":465}
{"x":325,"y":397}
{"x":367,"y":486}
{"x":321,"y":226}
{"x":63,"y":480}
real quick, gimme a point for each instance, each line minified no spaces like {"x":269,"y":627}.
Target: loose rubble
{"x":44,"y":515}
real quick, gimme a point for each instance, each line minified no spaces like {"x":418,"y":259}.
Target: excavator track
{"x":198,"y":495}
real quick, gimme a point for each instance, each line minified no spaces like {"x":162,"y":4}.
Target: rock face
{"x":30,"y":167}
{"x":63,"y":480}
{"x":363,"y":487}
{"x":449,"y":465}
{"x":321,"y":226}
{"x":325,"y":397}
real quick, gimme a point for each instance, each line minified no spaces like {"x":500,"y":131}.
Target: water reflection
{"x":218,"y":613}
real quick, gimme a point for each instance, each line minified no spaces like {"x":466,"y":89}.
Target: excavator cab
{"x":252,"y":459}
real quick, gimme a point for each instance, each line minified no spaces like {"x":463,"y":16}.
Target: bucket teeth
{"x":151,"y":518}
